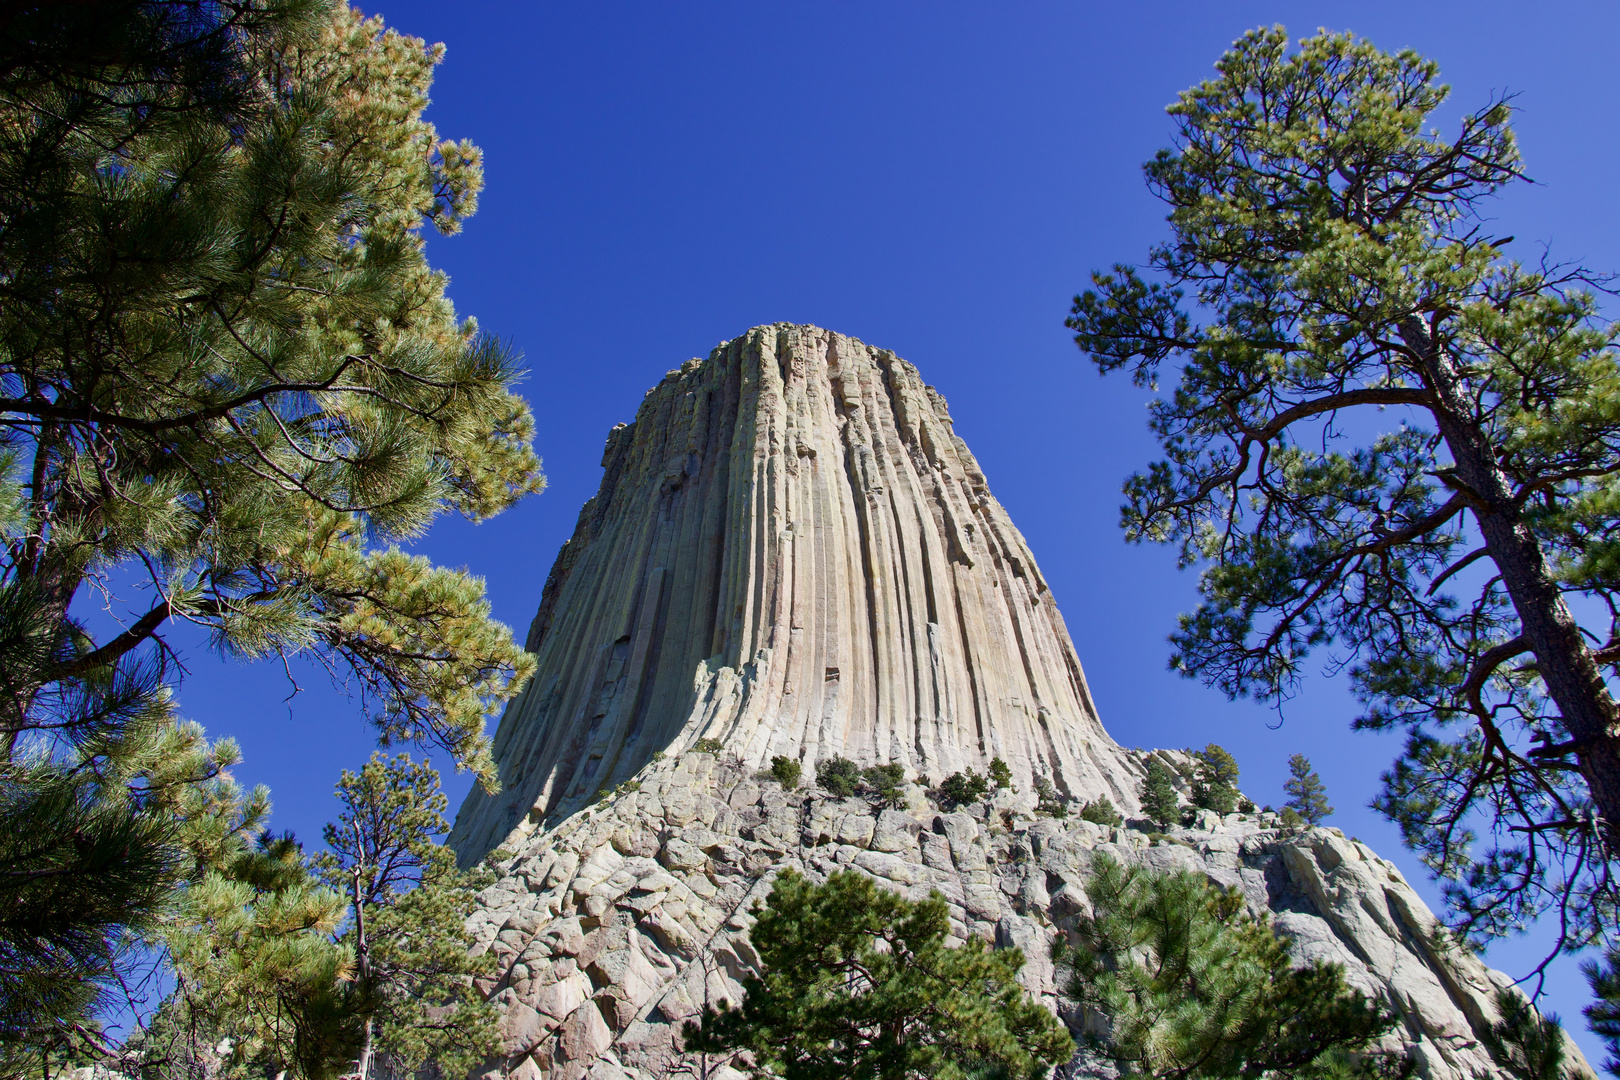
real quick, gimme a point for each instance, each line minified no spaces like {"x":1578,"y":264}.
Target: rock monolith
{"x":793,"y":554}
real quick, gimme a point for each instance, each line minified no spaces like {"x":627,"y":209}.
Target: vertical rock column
{"x":792,"y":553}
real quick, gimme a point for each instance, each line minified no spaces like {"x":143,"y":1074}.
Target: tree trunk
{"x":362,"y":965}
{"x":1586,"y":708}
{"x":38,"y":565}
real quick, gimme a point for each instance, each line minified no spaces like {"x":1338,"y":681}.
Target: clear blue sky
{"x":936,"y":179}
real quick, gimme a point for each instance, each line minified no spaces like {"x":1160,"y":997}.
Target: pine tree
{"x":1329,"y":256}
{"x":1603,"y":1015}
{"x":1215,"y":783}
{"x":1192,"y":987}
{"x":94,"y":848}
{"x":407,"y":908}
{"x":840,"y":776}
{"x":1000,"y":774}
{"x":1307,"y":795}
{"x":319,"y":966}
{"x":1102,"y":812}
{"x":963,"y":789}
{"x":1158,"y":794}
{"x":860,"y":982}
{"x":259,"y":976}
{"x":787,"y":771}
{"x":1528,"y":1045}
{"x":886,"y":784}
{"x":229,"y":375}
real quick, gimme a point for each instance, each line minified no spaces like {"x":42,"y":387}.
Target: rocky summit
{"x":792,"y":554}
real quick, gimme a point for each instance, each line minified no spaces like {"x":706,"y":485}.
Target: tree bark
{"x":362,"y":959}
{"x":1586,"y":708}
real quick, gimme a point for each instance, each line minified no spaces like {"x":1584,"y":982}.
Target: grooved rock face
{"x":792,"y":553}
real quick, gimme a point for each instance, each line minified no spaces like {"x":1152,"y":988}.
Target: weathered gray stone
{"x":793,"y":554}
{"x":709,"y":592}
{"x":856,"y":829}
{"x":584,"y":1035}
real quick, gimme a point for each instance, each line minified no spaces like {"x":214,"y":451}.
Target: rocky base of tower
{"x":624,"y":920}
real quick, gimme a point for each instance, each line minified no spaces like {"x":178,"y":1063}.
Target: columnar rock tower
{"x":793,"y":554}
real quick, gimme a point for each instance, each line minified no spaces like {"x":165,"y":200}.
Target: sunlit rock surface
{"x":793,"y":554}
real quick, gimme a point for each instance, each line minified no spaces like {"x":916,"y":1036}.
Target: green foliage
{"x":1000,"y":774}
{"x":408,"y":905}
{"x":886,"y":783}
{"x":1291,"y":820}
{"x":707,"y":746}
{"x":1158,"y":794}
{"x":253,"y":946}
{"x":280,"y":400}
{"x":840,"y":776}
{"x":1102,"y":812}
{"x":94,"y":850}
{"x":1307,"y":796}
{"x":230,"y":381}
{"x":1215,"y":782}
{"x":860,"y":983}
{"x":1368,"y":397}
{"x":312,"y":965}
{"x":1192,"y":987}
{"x":963,"y":789}
{"x":1526,"y":1044}
{"x":1603,"y":1015}
{"x":787,"y":771}
{"x":1048,"y":800}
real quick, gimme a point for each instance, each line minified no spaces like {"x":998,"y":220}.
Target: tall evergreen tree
{"x":1158,"y":794}
{"x":318,"y":967}
{"x":259,"y":976}
{"x":861,"y":984}
{"x":1307,"y":795}
{"x":1192,"y":987}
{"x":1215,"y":784}
{"x":408,"y":906}
{"x":229,"y":380}
{"x":1603,"y":1015}
{"x":1329,"y":259}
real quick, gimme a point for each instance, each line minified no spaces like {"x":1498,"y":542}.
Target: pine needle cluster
{"x":1191,"y":986}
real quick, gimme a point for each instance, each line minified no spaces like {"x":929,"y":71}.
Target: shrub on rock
{"x":840,"y":776}
{"x":787,"y":771}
